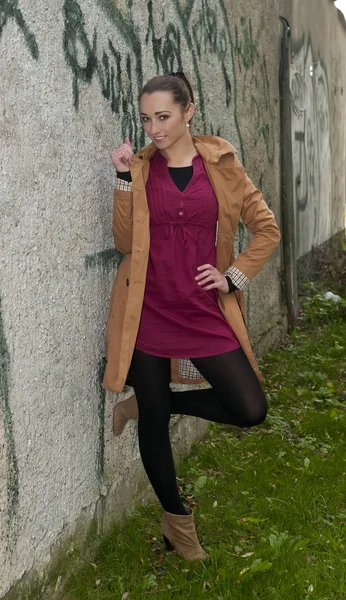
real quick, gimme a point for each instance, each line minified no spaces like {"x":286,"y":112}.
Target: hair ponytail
{"x":181,"y":75}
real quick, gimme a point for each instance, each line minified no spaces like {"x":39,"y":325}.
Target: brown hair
{"x":175,"y":83}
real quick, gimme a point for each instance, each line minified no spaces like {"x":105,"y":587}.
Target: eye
{"x":163,"y":117}
{"x":145,"y":119}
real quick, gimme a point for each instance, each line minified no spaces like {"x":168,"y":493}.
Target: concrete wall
{"x":70,"y":76}
{"x":318,"y":90}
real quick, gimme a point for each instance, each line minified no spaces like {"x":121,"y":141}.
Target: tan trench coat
{"x":237,"y":197}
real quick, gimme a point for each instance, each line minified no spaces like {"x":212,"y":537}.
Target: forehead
{"x":157,"y":101}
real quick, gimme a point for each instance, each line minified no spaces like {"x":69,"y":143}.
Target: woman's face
{"x":163,"y":120}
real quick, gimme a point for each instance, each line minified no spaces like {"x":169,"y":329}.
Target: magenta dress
{"x":180,"y":319}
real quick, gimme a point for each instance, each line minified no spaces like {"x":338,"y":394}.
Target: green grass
{"x":270,"y":503}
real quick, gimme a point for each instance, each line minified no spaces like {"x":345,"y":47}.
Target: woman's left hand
{"x":210,"y":275}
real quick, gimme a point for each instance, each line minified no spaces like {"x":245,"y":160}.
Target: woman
{"x":177,"y":309}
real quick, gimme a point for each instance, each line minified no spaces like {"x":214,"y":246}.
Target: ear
{"x":190,"y":111}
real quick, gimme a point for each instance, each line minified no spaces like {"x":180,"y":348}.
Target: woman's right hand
{"x":122,"y":156}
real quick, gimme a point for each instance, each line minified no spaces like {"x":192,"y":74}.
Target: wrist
{"x":124,"y":175}
{"x":230,"y":285}
{"x":224,"y":288}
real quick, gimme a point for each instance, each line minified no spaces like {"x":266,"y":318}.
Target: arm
{"x":123,"y":200}
{"x":260,"y":221}
{"x":122,"y":213}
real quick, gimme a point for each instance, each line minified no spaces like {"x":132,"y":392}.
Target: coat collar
{"x":210,"y":147}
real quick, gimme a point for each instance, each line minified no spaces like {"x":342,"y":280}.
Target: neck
{"x":181,"y":153}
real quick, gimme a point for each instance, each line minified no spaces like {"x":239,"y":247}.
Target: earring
{"x":187,"y":124}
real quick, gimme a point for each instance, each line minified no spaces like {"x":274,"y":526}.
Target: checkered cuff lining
{"x":122,"y":185}
{"x":238,"y":278}
{"x":187,"y":370}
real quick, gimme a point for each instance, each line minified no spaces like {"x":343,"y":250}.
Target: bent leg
{"x":236,"y":396}
{"x":236,"y":385}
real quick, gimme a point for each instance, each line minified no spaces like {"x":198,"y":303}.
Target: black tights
{"x":236,"y":397}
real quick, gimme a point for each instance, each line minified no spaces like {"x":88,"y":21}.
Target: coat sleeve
{"x":260,"y":221}
{"x":122,"y":220}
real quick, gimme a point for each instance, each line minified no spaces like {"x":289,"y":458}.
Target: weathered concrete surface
{"x":70,"y":76}
{"x":257,"y":35}
{"x":318,"y":89}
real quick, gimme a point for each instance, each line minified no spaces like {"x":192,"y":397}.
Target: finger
{"x":128,"y":152}
{"x":206,"y":280}
{"x":202,"y":267}
{"x":127,"y":141}
{"x":119,"y":153}
{"x":211,"y":287}
{"x":126,"y":157}
{"x":205,"y":274}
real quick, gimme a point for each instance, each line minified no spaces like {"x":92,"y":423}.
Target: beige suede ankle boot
{"x":179,"y":534}
{"x":123,"y":411}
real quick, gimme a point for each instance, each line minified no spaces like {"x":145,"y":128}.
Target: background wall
{"x":318,"y":90}
{"x":70,"y":76}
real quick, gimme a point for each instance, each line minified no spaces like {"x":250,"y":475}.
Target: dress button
{"x":181,"y":213}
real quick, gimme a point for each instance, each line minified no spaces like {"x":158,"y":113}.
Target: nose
{"x":156,"y":129}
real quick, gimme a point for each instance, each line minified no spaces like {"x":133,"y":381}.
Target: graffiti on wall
{"x":12,"y":465}
{"x":182,"y":40}
{"x":255,"y":92}
{"x":9,"y":10}
{"x":311,"y":152}
{"x":116,"y":74}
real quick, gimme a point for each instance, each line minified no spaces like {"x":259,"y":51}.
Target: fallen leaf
{"x":260,"y":565}
{"x":307,"y":463}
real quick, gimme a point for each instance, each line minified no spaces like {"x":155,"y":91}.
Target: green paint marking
{"x":12,"y":464}
{"x":101,"y":415}
{"x":107,"y":260}
{"x":114,"y":71}
{"x":9,"y":10}
{"x":255,"y":87}
{"x":166,"y":49}
{"x":230,"y":41}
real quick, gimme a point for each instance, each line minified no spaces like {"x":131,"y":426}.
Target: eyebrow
{"x":157,"y":113}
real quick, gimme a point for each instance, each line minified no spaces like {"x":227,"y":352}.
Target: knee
{"x":258,"y":416}
{"x":255,"y":414}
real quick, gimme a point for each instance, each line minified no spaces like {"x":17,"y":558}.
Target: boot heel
{"x":169,"y":547}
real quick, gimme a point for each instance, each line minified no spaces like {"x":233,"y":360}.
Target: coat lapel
{"x":227,"y":180}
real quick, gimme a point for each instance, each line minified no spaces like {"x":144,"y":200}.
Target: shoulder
{"x":215,"y":143}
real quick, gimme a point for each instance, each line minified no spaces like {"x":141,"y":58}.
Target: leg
{"x":150,"y":379}
{"x":236,"y":396}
